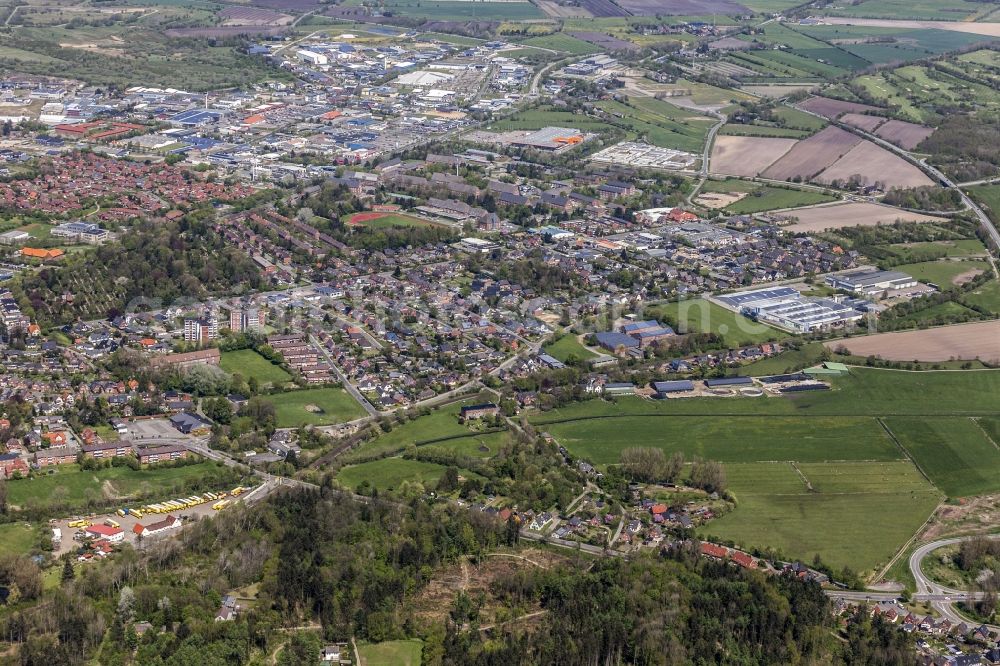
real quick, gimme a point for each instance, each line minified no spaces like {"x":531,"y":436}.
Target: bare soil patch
{"x":905,"y":135}
{"x":777,"y":90}
{"x":716,"y":200}
{"x":966,"y":277}
{"x":875,"y":164}
{"x":862,"y":121}
{"x":832,"y":108}
{"x":435,"y":600}
{"x":809,"y":157}
{"x":747,"y":155}
{"x":974,"y":515}
{"x":979,"y":340}
{"x":820,"y":218}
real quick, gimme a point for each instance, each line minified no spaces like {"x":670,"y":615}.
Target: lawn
{"x":17,"y":539}
{"x":702,"y":316}
{"x":735,"y":439}
{"x":772,"y":198}
{"x":941,"y":273}
{"x":988,"y":196}
{"x":441,"y":423}
{"x":662,"y":125}
{"x":390,"y":473}
{"x":568,"y":346}
{"x":391,"y":653}
{"x":955,"y":453}
{"x":321,"y":406}
{"x":249,"y":363}
{"x":954,"y":248}
{"x":789,"y":360}
{"x":71,"y":486}
{"x":481,"y":446}
{"x":987,"y":296}
{"x":776,"y":510}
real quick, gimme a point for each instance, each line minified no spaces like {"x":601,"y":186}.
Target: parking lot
{"x":154,"y":429}
{"x":69,"y":544}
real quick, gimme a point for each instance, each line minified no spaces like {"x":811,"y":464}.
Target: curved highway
{"x":940,"y":597}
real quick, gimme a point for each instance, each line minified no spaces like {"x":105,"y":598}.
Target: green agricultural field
{"x":702,"y":316}
{"x":562,"y":42}
{"x":391,"y":653}
{"x":736,"y":129}
{"x":775,"y":509}
{"x":955,"y":453}
{"x":942,"y":273}
{"x":249,"y":363}
{"x":320,"y":406}
{"x":17,"y":538}
{"x":568,"y":346}
{"x":72,"y":487}
{"x":862,"y":392}
{"x":991,"y":426}
{"x":390,"y":473}
{"x":799,"y":119}
{"x":940,"y":10}
{"x":460,"y":9}
{"x":729,"y":438}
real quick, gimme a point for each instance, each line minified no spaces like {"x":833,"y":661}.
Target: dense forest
{"x":344,"y":569}
{"x":964,"y":146}
{"x":155,"y":262}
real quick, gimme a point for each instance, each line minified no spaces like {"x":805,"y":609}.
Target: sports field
{"x":955,"y":453}
{"x":249,"y":363}
{"x":391,"y":653}
{"x":321,"y":406}
{"x":702,"y":316}
{"x":384,"y":220}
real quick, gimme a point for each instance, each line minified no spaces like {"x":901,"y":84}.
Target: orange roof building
{"x":43,"y":254}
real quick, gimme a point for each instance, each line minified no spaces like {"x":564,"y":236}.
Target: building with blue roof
{"x":614,"y":341}
{"x":728,"y":381}
{"x":679,"y":386}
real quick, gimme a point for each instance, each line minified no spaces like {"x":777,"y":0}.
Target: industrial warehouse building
{"x":869,"y":282}
{"x":786,"y":308}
